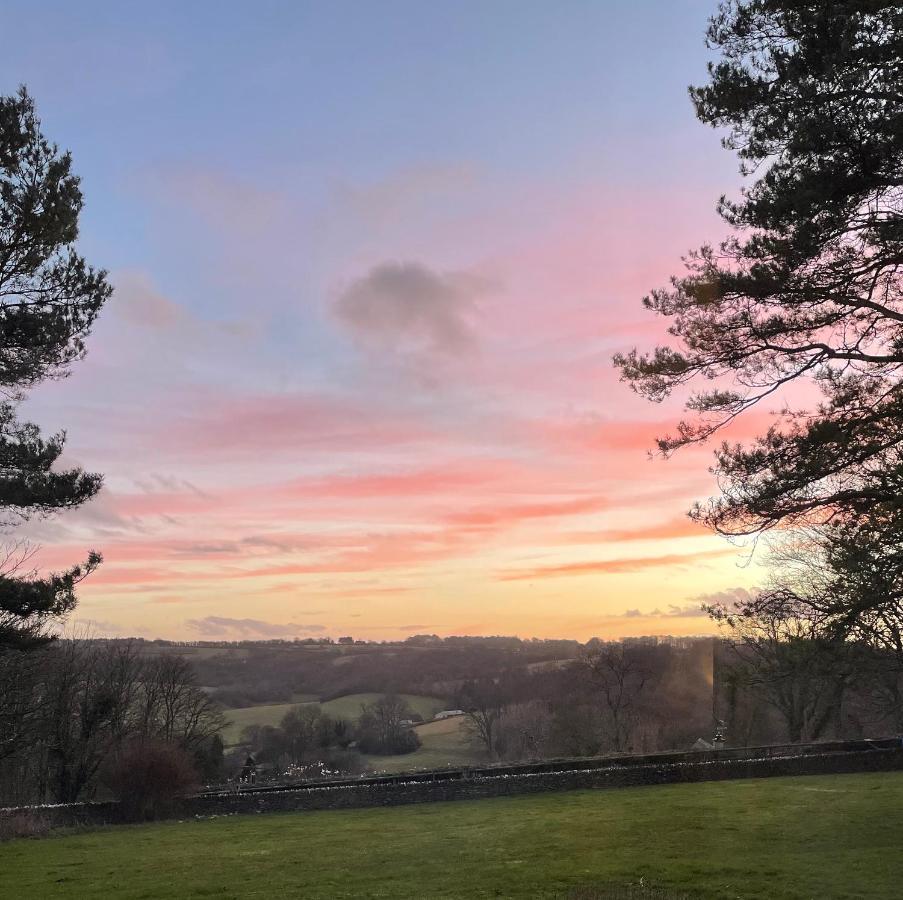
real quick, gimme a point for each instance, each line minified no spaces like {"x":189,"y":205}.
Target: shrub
{"x":344,"y":762}
{"x":27,"y":823}
{"x":149,"y":777}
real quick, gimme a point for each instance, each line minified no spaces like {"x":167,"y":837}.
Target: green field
{"x":822,"y":837}
{"x":443,"y":743}
{"x":347,"y":707}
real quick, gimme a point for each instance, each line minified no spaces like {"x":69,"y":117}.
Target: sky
{"x":371,"y":263}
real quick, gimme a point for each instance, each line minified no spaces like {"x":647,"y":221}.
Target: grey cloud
{"x":95,"y":520}
{"x":730,"y":597}
{"x":689,"y":611}
{"x":97,"y":627}
{"x":260,"y":544}
{"x":155,"y":483}
{"x":215,"y":548}
{"x":408,"y":306}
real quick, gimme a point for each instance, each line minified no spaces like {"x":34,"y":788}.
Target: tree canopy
{"x":49,"y":299}
{"x":808,"y":288}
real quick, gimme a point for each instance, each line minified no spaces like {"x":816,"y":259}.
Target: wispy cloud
{"x":612,"y":566}
{"x":222,"y":626}
{"x":672,"y":611}
{"x":673,"y":528}
{"x":729,"y":597}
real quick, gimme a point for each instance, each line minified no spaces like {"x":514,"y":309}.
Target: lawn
{"x":825,"y":837}
{"x":347,"y":707}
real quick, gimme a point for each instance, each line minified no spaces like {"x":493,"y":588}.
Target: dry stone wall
{"x":479,"y":785}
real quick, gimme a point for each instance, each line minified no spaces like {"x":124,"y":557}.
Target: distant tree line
{"x":615,"y":698}
{"x":780,"y":677}
{"x":753,"y":687}
{"x":275,"y":672}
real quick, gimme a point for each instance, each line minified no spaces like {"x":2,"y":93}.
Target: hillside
{"x":250,"y":674}
{"x":347,"y":707}
{"x":825,"y":836}
{"x":443,"y":743}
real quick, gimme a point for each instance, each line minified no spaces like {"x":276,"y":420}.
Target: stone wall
{"x":503,"y":783}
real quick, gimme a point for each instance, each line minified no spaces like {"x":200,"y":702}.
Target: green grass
{"x":822,"y":837}
{"x":240,"y":718}
{"x":347,"y":707}
{"x":443,"y":743}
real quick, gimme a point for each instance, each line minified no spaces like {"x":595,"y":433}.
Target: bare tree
{"x":524,"y":731}
{"x":784,"y":657}
{"x":20,"y":698}
{"x":484,"y":705}
{"x":301,"y":728}
{"x":382,"y":728}
{"x":172,"y":707}
{"x":619,"y":679}
{"x":89,"y":710}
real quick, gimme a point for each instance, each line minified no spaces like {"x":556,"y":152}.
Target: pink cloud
{"x":675,"y":528}
{"x":613,"y":566}
{"x":347,"y":471}
{"x":505,"y":515}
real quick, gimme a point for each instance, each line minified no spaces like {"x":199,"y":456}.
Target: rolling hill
{"x":347,"y":707}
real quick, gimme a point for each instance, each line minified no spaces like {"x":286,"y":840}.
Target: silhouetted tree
{"x":835,"y":603}
{"x":88,"y":711}
{"x":789,"y":662}
{"x":68,"y":708}
{"x":619,"y":678}
{"x":171,"y":706}
{"x":302,"y":728}
{"x":382,"y":728}
{"x":809,"y":287}
{"x":49,"y":298}
{"x":484,"y":703}
{"x":523,"y":731}
{"x":20,"y":699}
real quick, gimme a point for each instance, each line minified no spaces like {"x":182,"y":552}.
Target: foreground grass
{"x":826,"y":836}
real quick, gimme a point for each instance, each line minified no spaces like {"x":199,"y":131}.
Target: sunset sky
{"x":371,"y":262}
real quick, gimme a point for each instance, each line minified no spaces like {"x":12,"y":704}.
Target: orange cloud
{"x":674,"y":528}
{"x":496,"y":516}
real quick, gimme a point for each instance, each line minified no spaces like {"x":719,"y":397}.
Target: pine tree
{"x":810,"y":286}
{"x":49,"y":299}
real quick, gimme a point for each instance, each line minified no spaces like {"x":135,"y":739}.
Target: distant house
{"x":448,"y":714}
